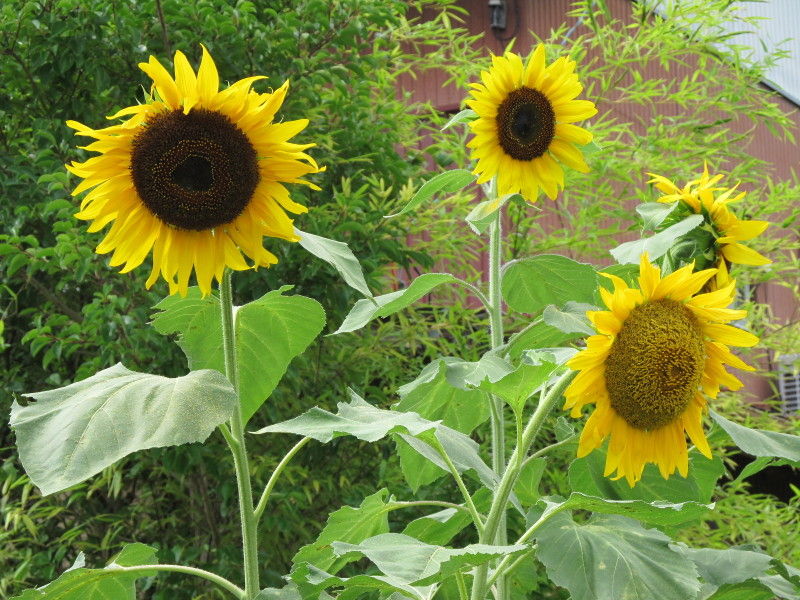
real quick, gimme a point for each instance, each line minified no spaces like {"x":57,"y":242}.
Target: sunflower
{"x":195,"y":174}
{"x":659,"y":349}
{"x":703,"y":196}
{"x":525,"y":115}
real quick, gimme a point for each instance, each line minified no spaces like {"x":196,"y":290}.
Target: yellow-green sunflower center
{"x":526,"y":124}
{"x":194,"y":171}
{"x":655,"y":364}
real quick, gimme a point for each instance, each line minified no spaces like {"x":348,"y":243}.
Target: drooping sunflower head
{"x":524,"y":125}
{"x":658,"y":350}
{"x":196,"y":175}
{"x":704,"y":196}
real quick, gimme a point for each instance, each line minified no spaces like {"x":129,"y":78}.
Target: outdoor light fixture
{"x":497,"y":14}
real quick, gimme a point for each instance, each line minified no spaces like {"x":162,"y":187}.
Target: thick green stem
{"x":496,"y":332}
{"x":238,"y":448}
{"x":500,"y":501}
{"x":212,"y":577}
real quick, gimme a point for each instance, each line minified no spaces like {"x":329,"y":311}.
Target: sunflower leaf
{"x":387,"y":304}
{"x":570,"y":320}
{"x":339,"y":256}
{"x":416,"y":563}
{"x":654,"y":213}
{"x":761,"y":443}
{"x":465,"y":115}
{"x":447,"y":182}
{"x":270,"y":333}
{"x":74,"y":432}
{"x":530,"y":284}
{"x":611,"y":557}
{"x":79,"y":583}
{"x":657,"y":245}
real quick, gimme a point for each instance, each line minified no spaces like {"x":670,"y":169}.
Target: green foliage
{"x":74,"y":432}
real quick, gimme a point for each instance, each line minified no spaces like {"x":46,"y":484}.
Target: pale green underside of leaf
{"x":72,"y":433}
{"x":339,"y":256}
{"x":447,"y":182}
{"x":657,"y":245}
{"x":382,"y":306}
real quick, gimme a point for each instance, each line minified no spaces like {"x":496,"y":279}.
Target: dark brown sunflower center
{"x":655,"y":364}
{"x":195,"y":171}
{"x":526,"y":124}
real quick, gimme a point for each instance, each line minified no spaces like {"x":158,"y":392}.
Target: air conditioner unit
{"x":789,"y":383}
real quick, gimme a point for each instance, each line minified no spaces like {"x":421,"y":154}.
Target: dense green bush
{"x":67,"y":315}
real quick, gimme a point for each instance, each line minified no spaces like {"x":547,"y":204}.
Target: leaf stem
{"x":262,"y":503}
{"x":410,"y":503}
{"x":213,"y":577}
{"x":237,"y":446}
{"x":476,"y":517}
{"x":462,"y":587}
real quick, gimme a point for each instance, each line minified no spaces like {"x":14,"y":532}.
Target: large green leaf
{"x":531,"y":284}
{"x":109,"y":583}
{"x":270,"y":332}
{"x":734,"y":573}
{"x":612,"y":557}
{"x":382,"y":306}
{"x":358,"y":418}
{"x":72,"y":433}
{"x":433,"y":396}
{"x":655,"y":512}
{"x":759,"y":442}
{"x":339,"y":256}
{"x":447,"y":182}
{"x":440,"y":527}
{"x":586,"y":476}
{"x":417,"y":563}
{"x":656,"y":245}
{"x":347,"y":524}
{"x":570,"y":320}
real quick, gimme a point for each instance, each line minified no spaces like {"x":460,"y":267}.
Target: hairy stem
{"x":212,"y":577}
{"x":273,"y":479}
{"x":236,"y":442}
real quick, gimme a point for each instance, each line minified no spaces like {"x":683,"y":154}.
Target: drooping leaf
{"x":655,"y":512}
{"x":414,"y":562}
{"x":432,"y":396}
{"x":759,"y":442}
{"x":357,"y":418}
{"x":74,"y":432}
{"x":531,"y":284}
{"x":657,"y":245}
{"x":382,"y":306}
{"x":348,"y":524}
{"x":539,"y":335}
{"x":612,"y":557}
{"x":270,"y":333}
{"x":339,"y":256}
{"x":447,"y":182}
{"x":109,"y":583}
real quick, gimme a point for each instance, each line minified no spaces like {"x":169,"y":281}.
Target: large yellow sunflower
{"x":525,"y":115}
{"x":659,"y":348}
{"x":703,"y":196}
{"x":196,"y":175}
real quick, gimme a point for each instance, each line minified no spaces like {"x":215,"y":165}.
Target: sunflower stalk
{"x":497,"y":512}
{"x":238,"y":449}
